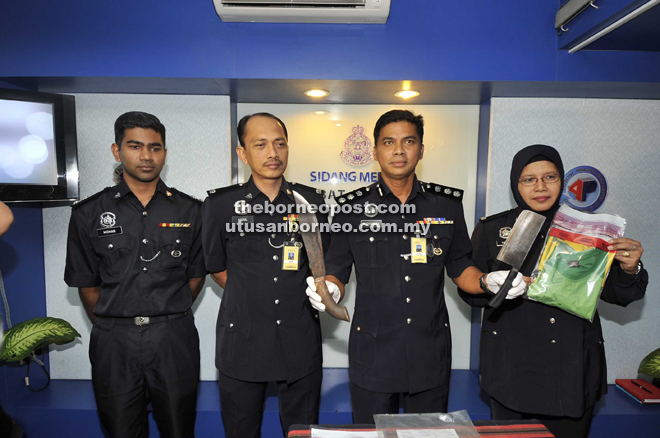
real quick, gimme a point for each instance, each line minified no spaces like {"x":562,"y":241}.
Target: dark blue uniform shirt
{"x":400,"y":339}
{"x":267,"y":329}
{"x":142,"y":257}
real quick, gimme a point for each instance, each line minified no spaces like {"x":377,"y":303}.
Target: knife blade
{"x":314,"y":247}
{"x":515,"y":249}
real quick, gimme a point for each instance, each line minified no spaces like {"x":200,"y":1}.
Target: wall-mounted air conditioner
{"x":304,"y":11}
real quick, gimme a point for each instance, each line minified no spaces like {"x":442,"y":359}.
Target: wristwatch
{"x":483,"y":285}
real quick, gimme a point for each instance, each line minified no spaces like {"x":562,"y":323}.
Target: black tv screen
{"x":38,"y":147}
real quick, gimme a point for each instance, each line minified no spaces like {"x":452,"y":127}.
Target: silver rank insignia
{"x":108,"y":219}
{"x":241,"y":207}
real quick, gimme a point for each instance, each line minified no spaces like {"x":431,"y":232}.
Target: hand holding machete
{"x":312,"y":239}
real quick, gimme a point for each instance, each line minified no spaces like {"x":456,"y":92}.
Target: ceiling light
{"x":407,"y":94}
{"x":320,"y":113}
{"x":338,"y":124}
{"x":316,"y":93}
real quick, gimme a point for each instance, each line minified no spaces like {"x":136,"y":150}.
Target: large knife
{"x":314,"y":248}
{"x":515,"y":249}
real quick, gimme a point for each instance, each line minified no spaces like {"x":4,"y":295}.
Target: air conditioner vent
{"x":304,"y":11}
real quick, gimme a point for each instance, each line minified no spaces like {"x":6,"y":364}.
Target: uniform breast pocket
{"x":247,"y":248}
{"x":174,"y":247}
{"x":439,"y":243}
{"x":116,"y":254}
{"x":371,"y":251}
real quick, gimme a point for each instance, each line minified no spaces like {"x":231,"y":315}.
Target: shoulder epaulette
{"x":89,"y":198}
{"x":353,"y":196}
{"x":313,"y":190}
{"x":222,"y":190}
{"x":187,"y":196}
{"x":449,"y":192}
{"x":495,"y":216}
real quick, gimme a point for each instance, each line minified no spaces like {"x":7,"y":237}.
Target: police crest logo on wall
{"x":358,"y":150}
{"x":585,"y":188}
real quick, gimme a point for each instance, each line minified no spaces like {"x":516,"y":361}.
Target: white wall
{"x":621,"y":138}
{"x":198,"y":159}
{"x":315,"y":141}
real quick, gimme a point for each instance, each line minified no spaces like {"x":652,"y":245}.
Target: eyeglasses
{"x":548,"y":179}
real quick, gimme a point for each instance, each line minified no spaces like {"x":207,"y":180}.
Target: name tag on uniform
{"x":242,"y":219}
{"x":418,"y":249}
{"x":103,"y":232}
{"x":290,"y":257}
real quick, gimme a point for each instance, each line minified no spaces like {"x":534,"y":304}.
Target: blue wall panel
{"x":22,"y":266}
{"x":424,"y":39}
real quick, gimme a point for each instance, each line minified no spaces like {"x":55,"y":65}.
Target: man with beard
{"x":267,"y":330}
{"x":134,"y":251}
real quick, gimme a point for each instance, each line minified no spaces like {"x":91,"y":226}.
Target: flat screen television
{"x":38,"y":147}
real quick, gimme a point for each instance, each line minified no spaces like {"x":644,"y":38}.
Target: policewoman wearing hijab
{"x":536,"y":361}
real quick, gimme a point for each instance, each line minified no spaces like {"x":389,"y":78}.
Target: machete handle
{"x":334,"y":309}
{"x":499,"y":298}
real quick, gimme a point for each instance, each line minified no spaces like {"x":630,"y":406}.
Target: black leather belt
{"x":141,"y":320}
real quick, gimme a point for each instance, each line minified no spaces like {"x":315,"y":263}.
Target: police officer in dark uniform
{"x":267,"y":330}
{"x":400,"y":340}
{"x":537,"y":361}
{"x":134,"y":251}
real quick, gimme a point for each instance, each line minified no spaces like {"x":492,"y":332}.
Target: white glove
{"x":315,"y":298}
{"x":496,"y":279}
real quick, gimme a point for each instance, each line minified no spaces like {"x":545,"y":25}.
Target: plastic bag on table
{"x":575,"y":261}
{"x":451,"y":425}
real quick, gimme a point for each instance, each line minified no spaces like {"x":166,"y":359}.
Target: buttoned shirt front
{"x":140,"y":256}
{"x":267,"y":329}
{"x":400,"y":339}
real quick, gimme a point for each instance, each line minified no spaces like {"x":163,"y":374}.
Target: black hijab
{"x":525,"y":156}
{"x":531,"y":154}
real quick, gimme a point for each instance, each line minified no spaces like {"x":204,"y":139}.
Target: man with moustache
{"x":134,"y":251}
{"x":400,"y":341}
{"x":267,"y":330}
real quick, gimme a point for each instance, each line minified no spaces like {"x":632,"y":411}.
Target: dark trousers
{"x":6,"y":423}
{"x":367,"y":403}
{"x":242,"y":403}
{"x":133,"y":366}
{"x":561,"y":427}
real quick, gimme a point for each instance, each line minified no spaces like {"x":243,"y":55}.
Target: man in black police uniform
{"x":134,"y":251}
{"x":266,"y":330}
{"x":400,"y":340}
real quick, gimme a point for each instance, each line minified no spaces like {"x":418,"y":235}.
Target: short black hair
{"x":240,"y":130}
{"x":399,"y":116}
{"x":137,"y":119}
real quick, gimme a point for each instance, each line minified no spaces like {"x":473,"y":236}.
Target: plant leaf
{"x":650,"y":365}
{"x":33,"y":334}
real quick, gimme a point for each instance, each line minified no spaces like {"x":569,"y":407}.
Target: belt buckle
{"x":141,"y":320}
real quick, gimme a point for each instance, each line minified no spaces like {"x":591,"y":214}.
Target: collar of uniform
{"x":166,"y":191}
{"x":252,"y":192}
{"x":122,"y":189}
{"x":384,"y":190}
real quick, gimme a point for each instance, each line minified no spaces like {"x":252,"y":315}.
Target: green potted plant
{"x":650,"y":366}
{"x":22,"y":340}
